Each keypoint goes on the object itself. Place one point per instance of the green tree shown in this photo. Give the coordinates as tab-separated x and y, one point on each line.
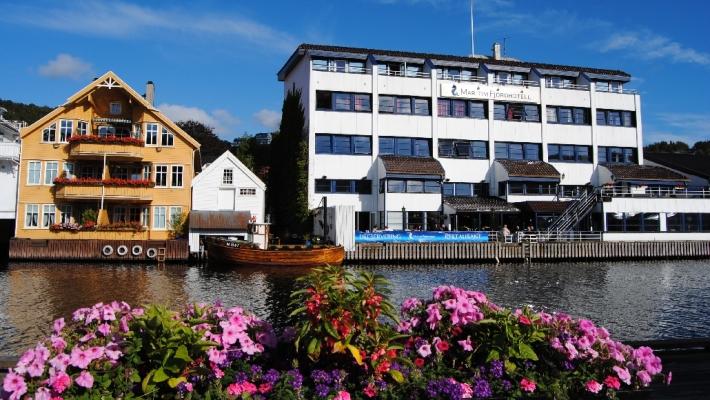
702	148
288	173
245	151
29	113
667	147
211	145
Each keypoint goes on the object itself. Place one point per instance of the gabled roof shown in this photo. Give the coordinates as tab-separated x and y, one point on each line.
691	164
222	220
479	204
529	169
110	79
412	165
229	158
306	47
642	173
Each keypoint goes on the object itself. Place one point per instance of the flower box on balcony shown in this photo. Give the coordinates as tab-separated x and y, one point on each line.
105	182
107	140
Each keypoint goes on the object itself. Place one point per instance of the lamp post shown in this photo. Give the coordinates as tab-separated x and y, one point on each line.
404	218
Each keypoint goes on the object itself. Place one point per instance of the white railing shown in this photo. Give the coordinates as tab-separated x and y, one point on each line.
657	192
566	86
463	78
542	236
516	82
615	90
406	74
10	151
346	69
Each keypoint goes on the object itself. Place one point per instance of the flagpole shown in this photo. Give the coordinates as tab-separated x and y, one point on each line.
473	43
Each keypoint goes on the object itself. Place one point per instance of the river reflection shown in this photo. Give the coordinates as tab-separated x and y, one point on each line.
635	300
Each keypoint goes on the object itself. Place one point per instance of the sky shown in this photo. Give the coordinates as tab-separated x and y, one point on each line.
216	61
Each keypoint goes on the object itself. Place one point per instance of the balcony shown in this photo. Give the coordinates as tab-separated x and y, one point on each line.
95	147
10	151
658	192
516	82
97	191
564	85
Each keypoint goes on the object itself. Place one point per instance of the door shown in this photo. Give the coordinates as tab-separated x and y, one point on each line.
225	199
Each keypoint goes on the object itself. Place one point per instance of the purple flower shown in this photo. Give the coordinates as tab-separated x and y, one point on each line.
271	376
320	376
496	369
482	389
506	385
296	379
322	390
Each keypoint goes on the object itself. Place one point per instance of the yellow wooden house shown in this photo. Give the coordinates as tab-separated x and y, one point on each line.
105	165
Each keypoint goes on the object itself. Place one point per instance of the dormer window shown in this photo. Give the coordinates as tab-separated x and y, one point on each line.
115	108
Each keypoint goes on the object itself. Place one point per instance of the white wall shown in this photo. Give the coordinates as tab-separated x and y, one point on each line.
462	128
654	205
341	82
413	201
510	131
616	136
568	134
404	125
399	85
459	170
351	123
654	236
575	173
566	97
8	183
614	101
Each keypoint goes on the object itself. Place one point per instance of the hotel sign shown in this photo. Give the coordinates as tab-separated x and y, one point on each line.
421	237
485	92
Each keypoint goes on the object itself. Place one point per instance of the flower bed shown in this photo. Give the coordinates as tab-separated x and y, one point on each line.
107	140
344	344
106	182
92	226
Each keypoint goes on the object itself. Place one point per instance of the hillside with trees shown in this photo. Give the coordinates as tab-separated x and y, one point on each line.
700	148
29	113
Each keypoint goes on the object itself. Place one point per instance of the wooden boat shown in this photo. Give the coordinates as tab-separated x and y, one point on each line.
242	253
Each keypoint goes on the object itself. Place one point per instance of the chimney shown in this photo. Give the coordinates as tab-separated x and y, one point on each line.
150	92
496	51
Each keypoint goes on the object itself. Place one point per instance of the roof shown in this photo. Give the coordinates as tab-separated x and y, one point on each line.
529	169
479	204
692	164
642	173
221	220
301	50
116	82
8	130
228	158
545	207
412	165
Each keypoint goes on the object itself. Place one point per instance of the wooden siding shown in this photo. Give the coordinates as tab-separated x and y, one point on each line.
424	252
90	249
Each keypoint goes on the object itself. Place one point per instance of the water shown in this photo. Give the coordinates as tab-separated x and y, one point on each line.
634	300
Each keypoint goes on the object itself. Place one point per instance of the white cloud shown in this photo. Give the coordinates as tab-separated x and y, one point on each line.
223	122
268	118
647	45
120	19
66	66
697	122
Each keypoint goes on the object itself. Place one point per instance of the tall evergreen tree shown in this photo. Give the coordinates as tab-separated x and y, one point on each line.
288	175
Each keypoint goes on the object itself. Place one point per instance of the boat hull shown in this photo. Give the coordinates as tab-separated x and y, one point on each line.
243	255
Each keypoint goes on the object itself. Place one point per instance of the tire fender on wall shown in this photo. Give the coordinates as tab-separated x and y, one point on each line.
137	250
107	250
151	252
122	250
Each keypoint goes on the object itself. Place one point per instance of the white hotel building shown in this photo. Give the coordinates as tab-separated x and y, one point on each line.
431	141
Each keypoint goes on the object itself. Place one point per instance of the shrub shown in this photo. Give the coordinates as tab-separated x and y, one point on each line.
346	343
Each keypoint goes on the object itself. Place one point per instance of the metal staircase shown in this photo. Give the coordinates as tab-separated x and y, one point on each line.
580	208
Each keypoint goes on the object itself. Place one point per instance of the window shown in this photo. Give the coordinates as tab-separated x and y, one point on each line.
340	101
415	186
48	215
175	214
134	214
458	108
386	104
581	116
159	220
106	130
421	107
404	146
516	112
463	149
404	105
633	222
395	186
65	130
65	214
530	188
463	189
68	170
319	65
361	186
565	115
448	189
323	186
146	172
32	216
168	137
443	107
247	191
343	144
82	128
161	176
619	155
517	151
115	108
176	176
151	134
34	170
569	153
477	109
50	172
432	187
119	214
49	134
227	176
559	82
145	216
616	118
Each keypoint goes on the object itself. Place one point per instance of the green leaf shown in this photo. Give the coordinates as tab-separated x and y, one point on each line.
173	382
312	346
145	385
493	355
510	367
160	375
526	352
355	352
487	321
331	330
396	375
181	354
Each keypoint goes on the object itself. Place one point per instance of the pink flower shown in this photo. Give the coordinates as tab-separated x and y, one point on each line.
216	356
95	352
424	350
249	387
58	343
218	373
265	388
123	323
466	391
113	354
342	395
109	314
43	394
59	325
527	385
524	320
104	329
41	353
36	368
60	362
79	358
235	389
87	337
593	386
85	380
433	315
188	386
15	384
644	377
466	344
60	382
370	390
623	374
612	382
230	335
669	377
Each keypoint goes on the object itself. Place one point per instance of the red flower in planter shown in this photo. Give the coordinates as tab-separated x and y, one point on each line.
107	140
105	182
